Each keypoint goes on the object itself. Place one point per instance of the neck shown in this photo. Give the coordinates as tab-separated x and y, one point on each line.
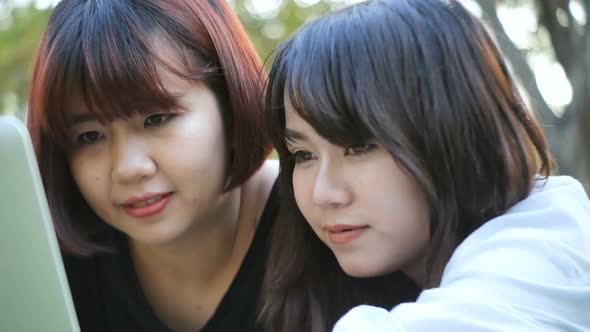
428	274
201	254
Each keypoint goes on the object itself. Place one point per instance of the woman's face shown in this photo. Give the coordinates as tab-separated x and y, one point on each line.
358	201
153	177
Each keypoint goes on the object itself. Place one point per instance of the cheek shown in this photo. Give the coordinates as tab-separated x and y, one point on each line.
78	171
396	199
412	215
302	184
203	133
88	178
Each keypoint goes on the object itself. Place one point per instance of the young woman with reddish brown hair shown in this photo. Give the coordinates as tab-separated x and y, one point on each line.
146	117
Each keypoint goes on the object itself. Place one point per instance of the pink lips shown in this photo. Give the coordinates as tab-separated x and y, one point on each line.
146	205
343	234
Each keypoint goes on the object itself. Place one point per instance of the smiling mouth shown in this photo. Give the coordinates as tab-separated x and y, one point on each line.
146	202
148	207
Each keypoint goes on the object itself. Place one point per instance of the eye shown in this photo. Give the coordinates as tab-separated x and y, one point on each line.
359	149
157	120
89	137
301	156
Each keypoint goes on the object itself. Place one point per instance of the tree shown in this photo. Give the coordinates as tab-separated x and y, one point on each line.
20	31
569	38
268	28
21	28
568	42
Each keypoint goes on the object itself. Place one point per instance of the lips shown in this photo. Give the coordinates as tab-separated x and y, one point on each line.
146	205
343	234
146	202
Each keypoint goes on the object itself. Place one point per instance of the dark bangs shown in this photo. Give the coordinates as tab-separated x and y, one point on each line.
108	55
348	87
317	76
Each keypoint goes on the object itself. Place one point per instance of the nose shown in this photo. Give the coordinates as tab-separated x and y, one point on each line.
131	160
331	189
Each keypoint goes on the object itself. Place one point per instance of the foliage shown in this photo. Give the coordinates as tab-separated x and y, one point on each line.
20	31
569	39
560	32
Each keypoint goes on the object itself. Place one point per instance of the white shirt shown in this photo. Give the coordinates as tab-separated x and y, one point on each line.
526	270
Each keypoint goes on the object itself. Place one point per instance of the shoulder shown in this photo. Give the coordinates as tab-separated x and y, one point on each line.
561	194
261	183
531	262
543	232
258	190
267	175
85	285
421	317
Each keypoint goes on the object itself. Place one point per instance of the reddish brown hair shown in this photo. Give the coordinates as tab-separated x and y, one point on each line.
107	52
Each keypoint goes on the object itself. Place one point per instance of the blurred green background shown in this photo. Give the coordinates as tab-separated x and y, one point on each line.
546	42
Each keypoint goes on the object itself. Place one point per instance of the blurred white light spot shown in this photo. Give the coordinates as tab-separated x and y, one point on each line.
473	7
519	23
578	11
10	104
44	4
306	3
274	30
39	4
552	81
265	9
562	17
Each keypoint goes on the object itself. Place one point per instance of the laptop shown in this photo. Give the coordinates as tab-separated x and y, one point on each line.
34	291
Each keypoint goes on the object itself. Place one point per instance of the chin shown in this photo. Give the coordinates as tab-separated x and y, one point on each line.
365	270
156	237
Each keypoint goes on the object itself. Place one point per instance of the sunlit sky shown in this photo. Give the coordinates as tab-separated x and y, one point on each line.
518	22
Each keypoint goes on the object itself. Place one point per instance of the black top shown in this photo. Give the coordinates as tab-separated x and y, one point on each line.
108	297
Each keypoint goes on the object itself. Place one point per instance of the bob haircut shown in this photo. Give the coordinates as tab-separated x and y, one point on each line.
424	79
108	53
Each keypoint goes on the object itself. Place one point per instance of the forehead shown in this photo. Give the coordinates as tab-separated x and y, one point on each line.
294	122
167	82
77	111
307	125
94	74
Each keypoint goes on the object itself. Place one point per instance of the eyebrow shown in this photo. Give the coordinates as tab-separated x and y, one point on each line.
80	118
293	135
